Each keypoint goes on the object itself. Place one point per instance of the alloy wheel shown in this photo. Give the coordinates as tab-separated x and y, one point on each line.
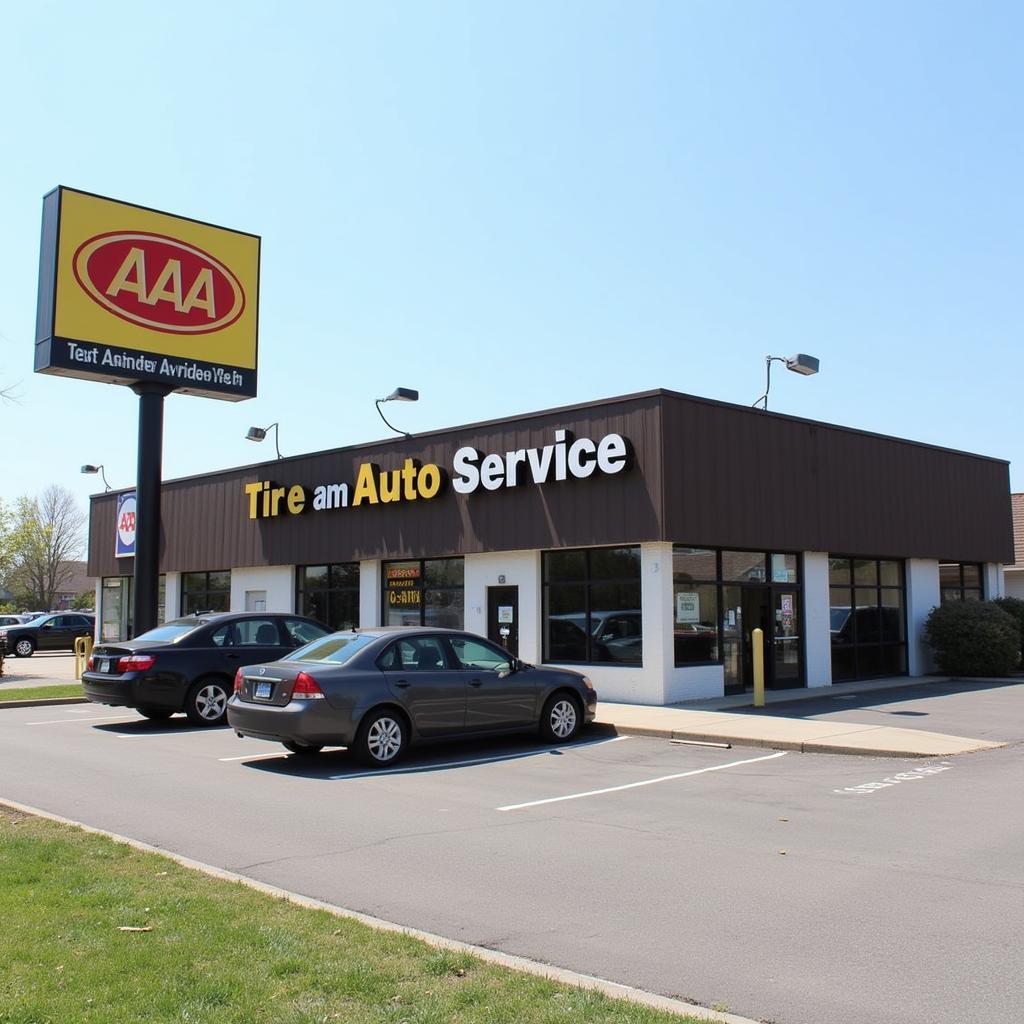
384	739
563	718
211	701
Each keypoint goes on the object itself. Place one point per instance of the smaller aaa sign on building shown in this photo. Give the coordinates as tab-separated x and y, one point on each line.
128	294
124	534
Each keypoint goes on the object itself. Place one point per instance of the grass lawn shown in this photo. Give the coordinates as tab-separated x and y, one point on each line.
40	692
213	951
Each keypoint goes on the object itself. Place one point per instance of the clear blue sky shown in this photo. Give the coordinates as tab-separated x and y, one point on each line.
521	205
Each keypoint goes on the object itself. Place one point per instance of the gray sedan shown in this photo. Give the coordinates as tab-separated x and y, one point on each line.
378	690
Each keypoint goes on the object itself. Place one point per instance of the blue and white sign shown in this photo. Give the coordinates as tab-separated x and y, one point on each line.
124	541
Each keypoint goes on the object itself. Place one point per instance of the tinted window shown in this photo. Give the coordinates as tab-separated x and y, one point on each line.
256	633
170	631
418	653
475	654
301	632
335	648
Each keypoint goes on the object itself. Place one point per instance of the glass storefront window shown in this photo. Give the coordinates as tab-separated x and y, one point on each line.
329	593
592	607
116	607
867	618
743	566
960	581
205	592
424	592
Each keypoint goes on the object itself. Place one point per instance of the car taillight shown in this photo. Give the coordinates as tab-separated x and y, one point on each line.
88	664
306	688
136	663
239	679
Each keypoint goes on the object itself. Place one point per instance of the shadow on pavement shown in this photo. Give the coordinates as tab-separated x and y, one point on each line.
875	701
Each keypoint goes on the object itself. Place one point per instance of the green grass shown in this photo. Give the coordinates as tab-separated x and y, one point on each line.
221	952
41	692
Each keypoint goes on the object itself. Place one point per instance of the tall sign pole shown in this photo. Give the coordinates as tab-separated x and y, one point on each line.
146	583
154	301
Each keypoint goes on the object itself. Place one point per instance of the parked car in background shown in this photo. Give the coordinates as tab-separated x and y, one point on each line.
49	632
378	690
188	664
10	620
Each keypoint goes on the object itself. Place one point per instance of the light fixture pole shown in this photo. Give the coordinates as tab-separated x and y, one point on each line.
398	395
259	433
800	363
97	469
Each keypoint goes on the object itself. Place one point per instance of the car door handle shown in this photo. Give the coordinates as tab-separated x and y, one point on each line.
476	682
402	684
233	657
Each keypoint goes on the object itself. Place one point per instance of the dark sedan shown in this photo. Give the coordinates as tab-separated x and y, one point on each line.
378	690
188	664
47	632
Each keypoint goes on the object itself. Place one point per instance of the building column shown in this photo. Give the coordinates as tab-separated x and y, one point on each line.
922	596
369	593
992	583
817	620
658	623
172	595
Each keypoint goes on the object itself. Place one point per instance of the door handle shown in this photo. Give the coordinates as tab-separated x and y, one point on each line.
402	684
476	682
233	657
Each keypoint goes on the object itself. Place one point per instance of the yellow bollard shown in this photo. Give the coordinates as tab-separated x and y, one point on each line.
83	651
757	641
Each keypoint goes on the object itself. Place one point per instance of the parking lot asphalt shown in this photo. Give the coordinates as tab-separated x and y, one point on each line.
790	887
811	724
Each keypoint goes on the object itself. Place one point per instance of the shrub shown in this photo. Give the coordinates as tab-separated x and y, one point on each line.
1015	607
973	638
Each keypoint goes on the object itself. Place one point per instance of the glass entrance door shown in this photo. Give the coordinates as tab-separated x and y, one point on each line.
784	660
773	610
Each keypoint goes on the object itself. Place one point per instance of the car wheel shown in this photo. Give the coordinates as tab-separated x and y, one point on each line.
305	749
561	718
382	738
207	702
24	648
156	714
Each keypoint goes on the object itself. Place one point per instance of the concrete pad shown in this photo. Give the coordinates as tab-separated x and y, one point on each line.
778	733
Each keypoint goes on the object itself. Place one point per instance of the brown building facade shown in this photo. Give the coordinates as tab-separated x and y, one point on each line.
643	537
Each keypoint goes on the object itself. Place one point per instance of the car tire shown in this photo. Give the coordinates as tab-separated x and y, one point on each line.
24	648
561	719
382	738
303	749
155	714
207	701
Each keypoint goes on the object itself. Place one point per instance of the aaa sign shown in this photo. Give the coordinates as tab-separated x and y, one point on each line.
128	294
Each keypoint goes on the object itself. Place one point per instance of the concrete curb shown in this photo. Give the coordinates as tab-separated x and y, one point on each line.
612	989
41	702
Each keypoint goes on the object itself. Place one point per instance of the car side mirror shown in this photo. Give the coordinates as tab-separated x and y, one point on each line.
47	625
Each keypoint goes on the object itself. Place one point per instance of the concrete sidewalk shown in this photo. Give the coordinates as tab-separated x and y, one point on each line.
776	732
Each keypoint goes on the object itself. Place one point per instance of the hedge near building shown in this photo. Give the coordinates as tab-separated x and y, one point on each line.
973	638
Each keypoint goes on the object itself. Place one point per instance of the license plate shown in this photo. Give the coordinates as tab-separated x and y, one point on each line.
263	691
109	665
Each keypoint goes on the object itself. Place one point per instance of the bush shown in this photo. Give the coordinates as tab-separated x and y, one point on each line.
973	638
1015	607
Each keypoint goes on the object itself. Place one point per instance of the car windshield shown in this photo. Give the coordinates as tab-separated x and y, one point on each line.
335	649
169	631
38	620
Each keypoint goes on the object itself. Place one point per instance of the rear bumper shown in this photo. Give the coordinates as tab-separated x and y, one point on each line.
300	721
131	691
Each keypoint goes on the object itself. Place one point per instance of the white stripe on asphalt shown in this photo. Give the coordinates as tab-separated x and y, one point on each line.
256	757
75	721
634	785
497	758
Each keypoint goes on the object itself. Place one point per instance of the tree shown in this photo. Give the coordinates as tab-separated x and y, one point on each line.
45	536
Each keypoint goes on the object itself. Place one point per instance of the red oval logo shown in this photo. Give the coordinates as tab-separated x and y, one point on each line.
158	282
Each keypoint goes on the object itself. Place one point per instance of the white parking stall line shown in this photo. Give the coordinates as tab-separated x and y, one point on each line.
494	759
75	721
645	782
255	757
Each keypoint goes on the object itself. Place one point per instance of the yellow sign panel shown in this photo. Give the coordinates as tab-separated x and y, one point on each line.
129	294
